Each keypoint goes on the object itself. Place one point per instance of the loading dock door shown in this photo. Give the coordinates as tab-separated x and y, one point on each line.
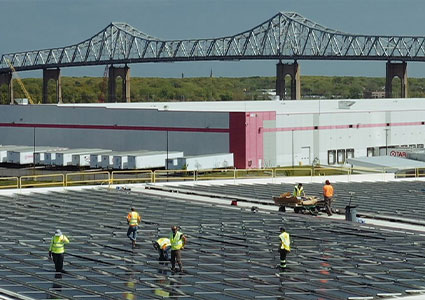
305	156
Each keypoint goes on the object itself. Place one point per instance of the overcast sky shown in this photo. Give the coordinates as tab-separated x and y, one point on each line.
38	24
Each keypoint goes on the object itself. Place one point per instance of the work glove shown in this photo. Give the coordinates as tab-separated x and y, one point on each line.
50	254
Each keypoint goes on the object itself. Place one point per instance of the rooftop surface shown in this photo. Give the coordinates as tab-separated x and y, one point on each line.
307	106
231	251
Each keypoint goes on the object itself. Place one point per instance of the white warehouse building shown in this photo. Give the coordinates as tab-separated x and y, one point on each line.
258	133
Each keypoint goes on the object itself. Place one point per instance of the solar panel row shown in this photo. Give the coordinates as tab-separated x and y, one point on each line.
399	200
231	252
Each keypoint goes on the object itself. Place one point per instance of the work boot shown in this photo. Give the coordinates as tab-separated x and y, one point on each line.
133	244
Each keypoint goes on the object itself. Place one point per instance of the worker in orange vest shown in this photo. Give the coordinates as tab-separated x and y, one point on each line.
328	193
133	220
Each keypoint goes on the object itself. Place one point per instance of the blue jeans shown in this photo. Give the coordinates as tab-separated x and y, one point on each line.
132	232
164	254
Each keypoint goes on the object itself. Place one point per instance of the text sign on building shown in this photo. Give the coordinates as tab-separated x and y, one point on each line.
398	153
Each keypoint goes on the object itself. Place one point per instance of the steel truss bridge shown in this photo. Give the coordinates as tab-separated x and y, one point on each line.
285	36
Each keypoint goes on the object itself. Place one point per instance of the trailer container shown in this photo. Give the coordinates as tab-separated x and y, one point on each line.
201	162
119	160
96	159
40	157
152	159
64	158
24	156
5	148
83	159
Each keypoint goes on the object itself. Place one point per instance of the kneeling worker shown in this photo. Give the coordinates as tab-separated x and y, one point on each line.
285	247
163	246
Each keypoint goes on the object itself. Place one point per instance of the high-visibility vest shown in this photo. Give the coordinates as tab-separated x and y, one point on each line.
297	191
163	243
133	218
57	245
328	190
285	242
176	241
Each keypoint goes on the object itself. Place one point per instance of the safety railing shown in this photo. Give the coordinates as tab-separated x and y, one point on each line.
48	180
413	173
81	178
254	173
131	176
173	175
216	174
330	171
293	171
9	182
148	176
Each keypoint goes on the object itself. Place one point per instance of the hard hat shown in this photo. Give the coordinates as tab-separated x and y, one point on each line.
58	232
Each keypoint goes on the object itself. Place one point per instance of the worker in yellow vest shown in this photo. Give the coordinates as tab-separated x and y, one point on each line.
284	247
298	191
57	249
133	220
178	241
163	246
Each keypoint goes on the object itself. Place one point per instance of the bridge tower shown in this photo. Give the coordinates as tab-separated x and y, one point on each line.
393	70
292	70
6	78
52	74
124	73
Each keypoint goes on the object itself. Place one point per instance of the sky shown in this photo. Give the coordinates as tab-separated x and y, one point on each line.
40	24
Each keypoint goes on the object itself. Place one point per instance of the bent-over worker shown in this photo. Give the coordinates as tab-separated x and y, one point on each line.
163	245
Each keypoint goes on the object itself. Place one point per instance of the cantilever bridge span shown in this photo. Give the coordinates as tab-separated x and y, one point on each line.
285	36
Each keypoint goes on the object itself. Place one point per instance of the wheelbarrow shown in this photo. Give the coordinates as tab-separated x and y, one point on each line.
309	204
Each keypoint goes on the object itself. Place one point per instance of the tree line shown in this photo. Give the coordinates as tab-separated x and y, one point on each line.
94	89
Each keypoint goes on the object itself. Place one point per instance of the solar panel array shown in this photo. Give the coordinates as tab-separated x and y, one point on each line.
231	252
404	200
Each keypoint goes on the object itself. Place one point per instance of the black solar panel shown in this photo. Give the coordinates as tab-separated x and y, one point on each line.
231	252
404	200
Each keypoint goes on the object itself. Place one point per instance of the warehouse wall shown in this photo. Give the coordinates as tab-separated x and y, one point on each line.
117	129
259	133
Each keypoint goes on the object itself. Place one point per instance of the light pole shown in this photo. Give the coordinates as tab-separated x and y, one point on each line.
386	140
33	154
292	146
166	164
